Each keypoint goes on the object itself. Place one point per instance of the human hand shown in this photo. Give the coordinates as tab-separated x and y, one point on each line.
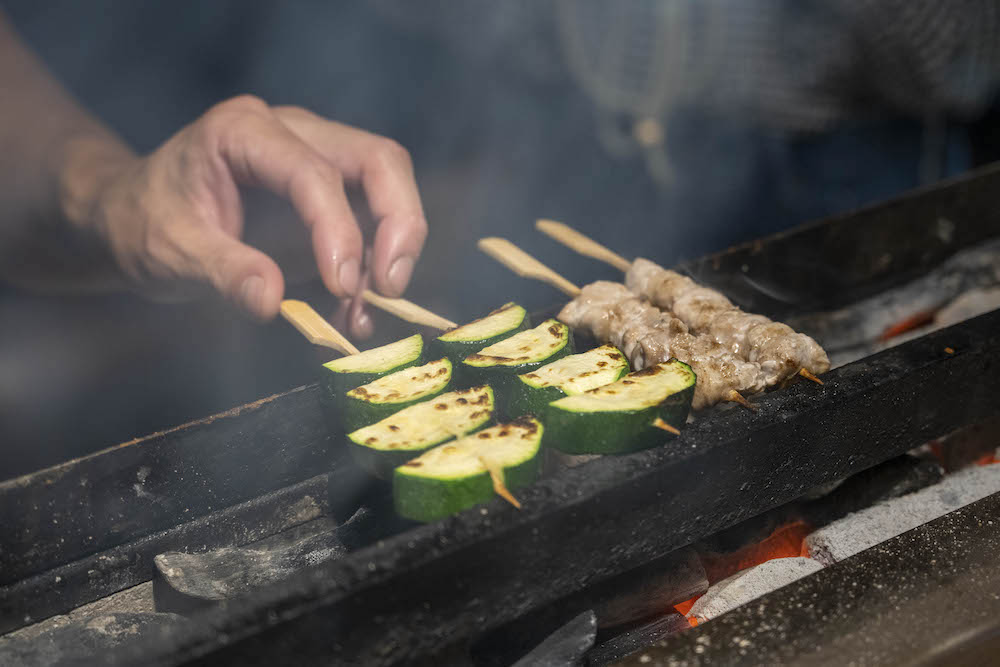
173	219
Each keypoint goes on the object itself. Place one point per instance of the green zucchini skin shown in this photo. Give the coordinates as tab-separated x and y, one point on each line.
381	462
504	379
524	399
457	350
619	432
426	499
358	413
335	385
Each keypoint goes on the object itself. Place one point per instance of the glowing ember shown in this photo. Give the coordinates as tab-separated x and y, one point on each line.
786	541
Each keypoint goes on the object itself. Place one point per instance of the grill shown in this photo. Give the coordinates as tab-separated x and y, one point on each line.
403	593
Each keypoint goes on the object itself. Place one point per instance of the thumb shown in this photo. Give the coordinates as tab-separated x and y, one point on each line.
240	273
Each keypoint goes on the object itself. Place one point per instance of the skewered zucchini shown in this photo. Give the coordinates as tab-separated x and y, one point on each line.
382	446
500	364
457	475
618	418
391	393
346	373
460	342
568	376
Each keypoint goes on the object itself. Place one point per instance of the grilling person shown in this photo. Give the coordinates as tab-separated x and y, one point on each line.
81	210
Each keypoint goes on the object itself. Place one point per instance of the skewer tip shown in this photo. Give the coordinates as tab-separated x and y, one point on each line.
664	426
809	376
737	397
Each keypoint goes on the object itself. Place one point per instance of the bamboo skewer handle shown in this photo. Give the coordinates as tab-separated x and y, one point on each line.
582	244
316	330
524	264
407	310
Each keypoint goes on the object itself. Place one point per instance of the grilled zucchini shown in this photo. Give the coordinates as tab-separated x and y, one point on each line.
342	375
499	364
382	446
618	418
391	393
454	476
568	376
469	338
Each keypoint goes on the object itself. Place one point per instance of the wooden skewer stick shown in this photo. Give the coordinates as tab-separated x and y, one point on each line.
662	425
524	264
809	376
408	311
737	397
496	474
582	244
317	330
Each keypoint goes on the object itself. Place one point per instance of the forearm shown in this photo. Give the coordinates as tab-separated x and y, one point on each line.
54	158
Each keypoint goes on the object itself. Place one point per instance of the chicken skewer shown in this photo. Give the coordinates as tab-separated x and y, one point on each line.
780	350
649	336
645	334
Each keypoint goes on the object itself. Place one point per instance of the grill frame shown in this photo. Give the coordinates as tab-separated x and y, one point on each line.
372	606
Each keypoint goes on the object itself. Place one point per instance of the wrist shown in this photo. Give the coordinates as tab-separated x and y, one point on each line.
85	166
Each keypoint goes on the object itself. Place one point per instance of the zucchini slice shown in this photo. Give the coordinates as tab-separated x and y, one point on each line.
469	338
391	393
382	446
499	364
568	376
342	375
618	418
455	476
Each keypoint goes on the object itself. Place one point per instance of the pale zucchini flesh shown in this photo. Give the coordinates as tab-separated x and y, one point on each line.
579	373
456	475
385	444
407	385
527	347
506	318
621	417
391	393
379	359
636	391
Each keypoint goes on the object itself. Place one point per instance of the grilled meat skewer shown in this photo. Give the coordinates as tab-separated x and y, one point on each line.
649	336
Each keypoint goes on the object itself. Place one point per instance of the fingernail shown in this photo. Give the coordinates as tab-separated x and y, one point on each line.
399	274
349	275
251	293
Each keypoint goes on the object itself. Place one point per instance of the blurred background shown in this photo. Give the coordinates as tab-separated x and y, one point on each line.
666	129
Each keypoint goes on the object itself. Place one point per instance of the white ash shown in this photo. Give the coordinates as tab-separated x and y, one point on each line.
750	584
878	523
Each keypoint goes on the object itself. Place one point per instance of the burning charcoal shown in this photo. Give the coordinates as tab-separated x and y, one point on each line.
638	594
892	479
967	444
566	646
636	638
641	597
750	584
878	523
184	582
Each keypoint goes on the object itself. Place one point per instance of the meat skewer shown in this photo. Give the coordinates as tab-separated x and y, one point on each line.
780	350
649	336
644	333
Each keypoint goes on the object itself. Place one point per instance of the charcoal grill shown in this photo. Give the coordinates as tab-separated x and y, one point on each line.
82	530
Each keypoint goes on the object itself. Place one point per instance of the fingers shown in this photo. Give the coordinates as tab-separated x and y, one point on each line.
384	169
259	150
242	274
358	316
